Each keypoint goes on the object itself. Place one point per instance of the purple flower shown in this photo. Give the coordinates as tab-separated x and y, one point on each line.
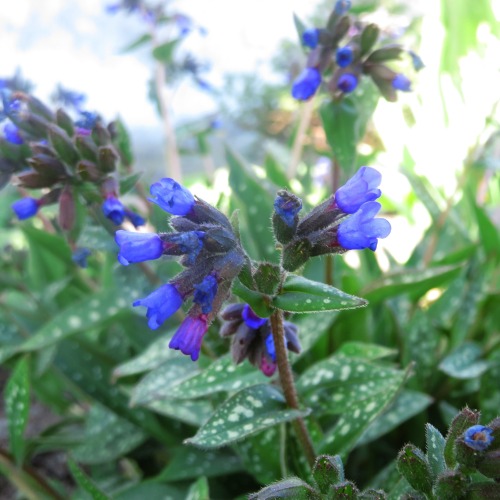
478	437
306	84
310	38
114	210
161	304
172	197
79	257
362	230
189	336
287	207
251	319
347	82
25	208
401	82
204	293
138	247
341	7
344	56
359	189
11	133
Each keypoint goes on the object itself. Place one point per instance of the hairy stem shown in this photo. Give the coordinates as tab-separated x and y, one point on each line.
288	384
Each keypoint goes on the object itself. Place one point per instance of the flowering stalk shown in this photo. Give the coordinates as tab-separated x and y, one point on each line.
288	385
298	144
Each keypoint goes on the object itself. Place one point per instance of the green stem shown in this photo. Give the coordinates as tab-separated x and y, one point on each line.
288	384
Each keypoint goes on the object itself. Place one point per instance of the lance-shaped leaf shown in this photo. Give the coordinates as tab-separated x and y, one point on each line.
464	362
434	442
165	51
85	482
17	405
413	465
293	487
222	375
199	490
247	412
327	471
302	295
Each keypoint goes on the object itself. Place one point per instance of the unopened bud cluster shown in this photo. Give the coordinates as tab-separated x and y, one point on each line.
345	50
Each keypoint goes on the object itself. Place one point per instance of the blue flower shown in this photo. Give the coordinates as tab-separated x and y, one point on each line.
11	133
287	208
271	349
188	243
344	56
114	210
359	189
310	38
79	257
189	336
251	319
172	197
138	247
341	7
25	208
478	437
86	123
68	97
306	84
362	230
205	292
401	82
347	82
161	304
134	218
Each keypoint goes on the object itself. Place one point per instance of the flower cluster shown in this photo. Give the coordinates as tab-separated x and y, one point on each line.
211	253
252	337
64	154
346	221
349	62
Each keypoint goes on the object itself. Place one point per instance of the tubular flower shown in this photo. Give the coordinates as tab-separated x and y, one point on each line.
25	208
310	38
359	189
252	337
401	82
210	251
138	247
344	56
172	197
113	209
306	84
347	82
478	437
362	230
161	304
12	135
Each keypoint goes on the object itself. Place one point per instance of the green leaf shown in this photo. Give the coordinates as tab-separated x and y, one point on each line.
435	450
299	26
156	385
128	183
464	362
489	393
107	437
139	42
190	463
327	471
247	412
221	375
199	490
413	465
155	355
17	407
311	328
86	314
364	350
190	412
409	280
165	51
275	172
292	487
368	38
255	198
256	300
353	388
345	124
97	238
302	295
259	454
406	405
85	482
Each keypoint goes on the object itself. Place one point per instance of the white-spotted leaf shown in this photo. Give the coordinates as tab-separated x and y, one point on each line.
302	295
435	449
249	411
85	482
464	362
222	375
364	350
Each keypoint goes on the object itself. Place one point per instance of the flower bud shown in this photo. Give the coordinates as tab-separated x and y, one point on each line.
66	209
310	38
285	216
344	56
328	470
347	82
63	145
413	465
306	84
25	208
